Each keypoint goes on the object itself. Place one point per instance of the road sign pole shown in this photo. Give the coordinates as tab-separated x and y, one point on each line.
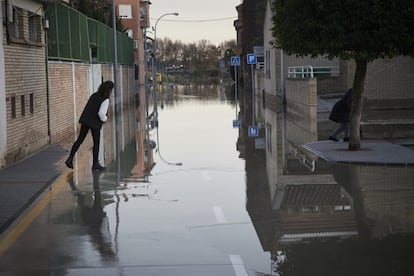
236	87
235	61
252	60
253	95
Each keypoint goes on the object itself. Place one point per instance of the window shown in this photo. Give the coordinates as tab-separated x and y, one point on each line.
125	11
267	64
13	107
35	25
31	99
16	27
269	137
23	105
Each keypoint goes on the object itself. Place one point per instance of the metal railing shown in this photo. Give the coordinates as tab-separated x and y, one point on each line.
313	71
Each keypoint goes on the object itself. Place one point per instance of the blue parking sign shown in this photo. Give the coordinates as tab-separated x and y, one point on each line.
253	131
236	123
251	59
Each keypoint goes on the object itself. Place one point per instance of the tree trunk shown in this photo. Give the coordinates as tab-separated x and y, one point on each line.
356	108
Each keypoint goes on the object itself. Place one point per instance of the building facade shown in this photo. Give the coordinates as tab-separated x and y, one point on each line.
134	16
41	98
23	93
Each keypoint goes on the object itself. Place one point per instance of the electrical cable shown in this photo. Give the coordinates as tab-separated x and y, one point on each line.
200	20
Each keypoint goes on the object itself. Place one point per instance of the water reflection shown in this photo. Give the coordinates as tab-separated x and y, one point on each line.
383	198
337	219
171	95
94	218
359	222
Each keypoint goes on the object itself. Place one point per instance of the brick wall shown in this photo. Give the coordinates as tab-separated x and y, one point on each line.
25	74
390	79
301	111
64	112
26	94
70	95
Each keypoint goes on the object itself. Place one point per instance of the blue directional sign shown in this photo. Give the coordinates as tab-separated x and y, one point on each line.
253	131
251	59
236	123
222	63
235	61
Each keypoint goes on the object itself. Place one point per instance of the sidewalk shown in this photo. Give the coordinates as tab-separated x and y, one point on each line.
373	152
23	182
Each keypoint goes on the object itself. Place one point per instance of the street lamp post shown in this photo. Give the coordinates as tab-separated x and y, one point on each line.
154	69
154	88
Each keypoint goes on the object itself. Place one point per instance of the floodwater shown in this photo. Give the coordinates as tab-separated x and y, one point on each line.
208	208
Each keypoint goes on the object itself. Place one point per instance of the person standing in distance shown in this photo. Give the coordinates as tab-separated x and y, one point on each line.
93	116
340	114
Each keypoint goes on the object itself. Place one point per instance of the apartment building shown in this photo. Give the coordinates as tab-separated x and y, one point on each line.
43	90
23	86
134	16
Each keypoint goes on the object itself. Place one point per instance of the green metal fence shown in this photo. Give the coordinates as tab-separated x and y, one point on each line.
75	37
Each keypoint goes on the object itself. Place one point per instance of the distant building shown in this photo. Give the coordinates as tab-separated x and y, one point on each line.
134	16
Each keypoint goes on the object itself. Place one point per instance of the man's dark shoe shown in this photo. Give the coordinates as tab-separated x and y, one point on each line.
333	138
346	139
98	168
69	163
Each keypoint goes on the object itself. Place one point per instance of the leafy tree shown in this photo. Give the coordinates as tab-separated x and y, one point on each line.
349	29
201	58
229	48
100	11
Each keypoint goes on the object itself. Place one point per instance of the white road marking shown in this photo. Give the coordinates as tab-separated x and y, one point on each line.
218	212
238	265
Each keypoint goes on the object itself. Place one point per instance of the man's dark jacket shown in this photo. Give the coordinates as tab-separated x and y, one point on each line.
342	109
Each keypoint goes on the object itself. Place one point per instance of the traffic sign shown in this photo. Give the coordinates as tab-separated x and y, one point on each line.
222	63
253	131
235	61
236	123
251	59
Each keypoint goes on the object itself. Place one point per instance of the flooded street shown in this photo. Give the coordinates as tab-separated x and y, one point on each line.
187	219
208	208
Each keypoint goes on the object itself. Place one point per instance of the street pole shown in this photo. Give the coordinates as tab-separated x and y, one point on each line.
236	96
147	123
154	62
253	95
116	94
154	88
283	92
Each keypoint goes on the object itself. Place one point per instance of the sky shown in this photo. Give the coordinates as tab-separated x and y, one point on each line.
211	20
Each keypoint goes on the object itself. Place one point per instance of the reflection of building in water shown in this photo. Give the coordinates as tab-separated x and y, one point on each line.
314	211
308	200
360	214
305	207
384	197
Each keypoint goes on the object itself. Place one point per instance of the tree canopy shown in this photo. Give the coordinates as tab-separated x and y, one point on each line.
200	58
348	29
356	29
